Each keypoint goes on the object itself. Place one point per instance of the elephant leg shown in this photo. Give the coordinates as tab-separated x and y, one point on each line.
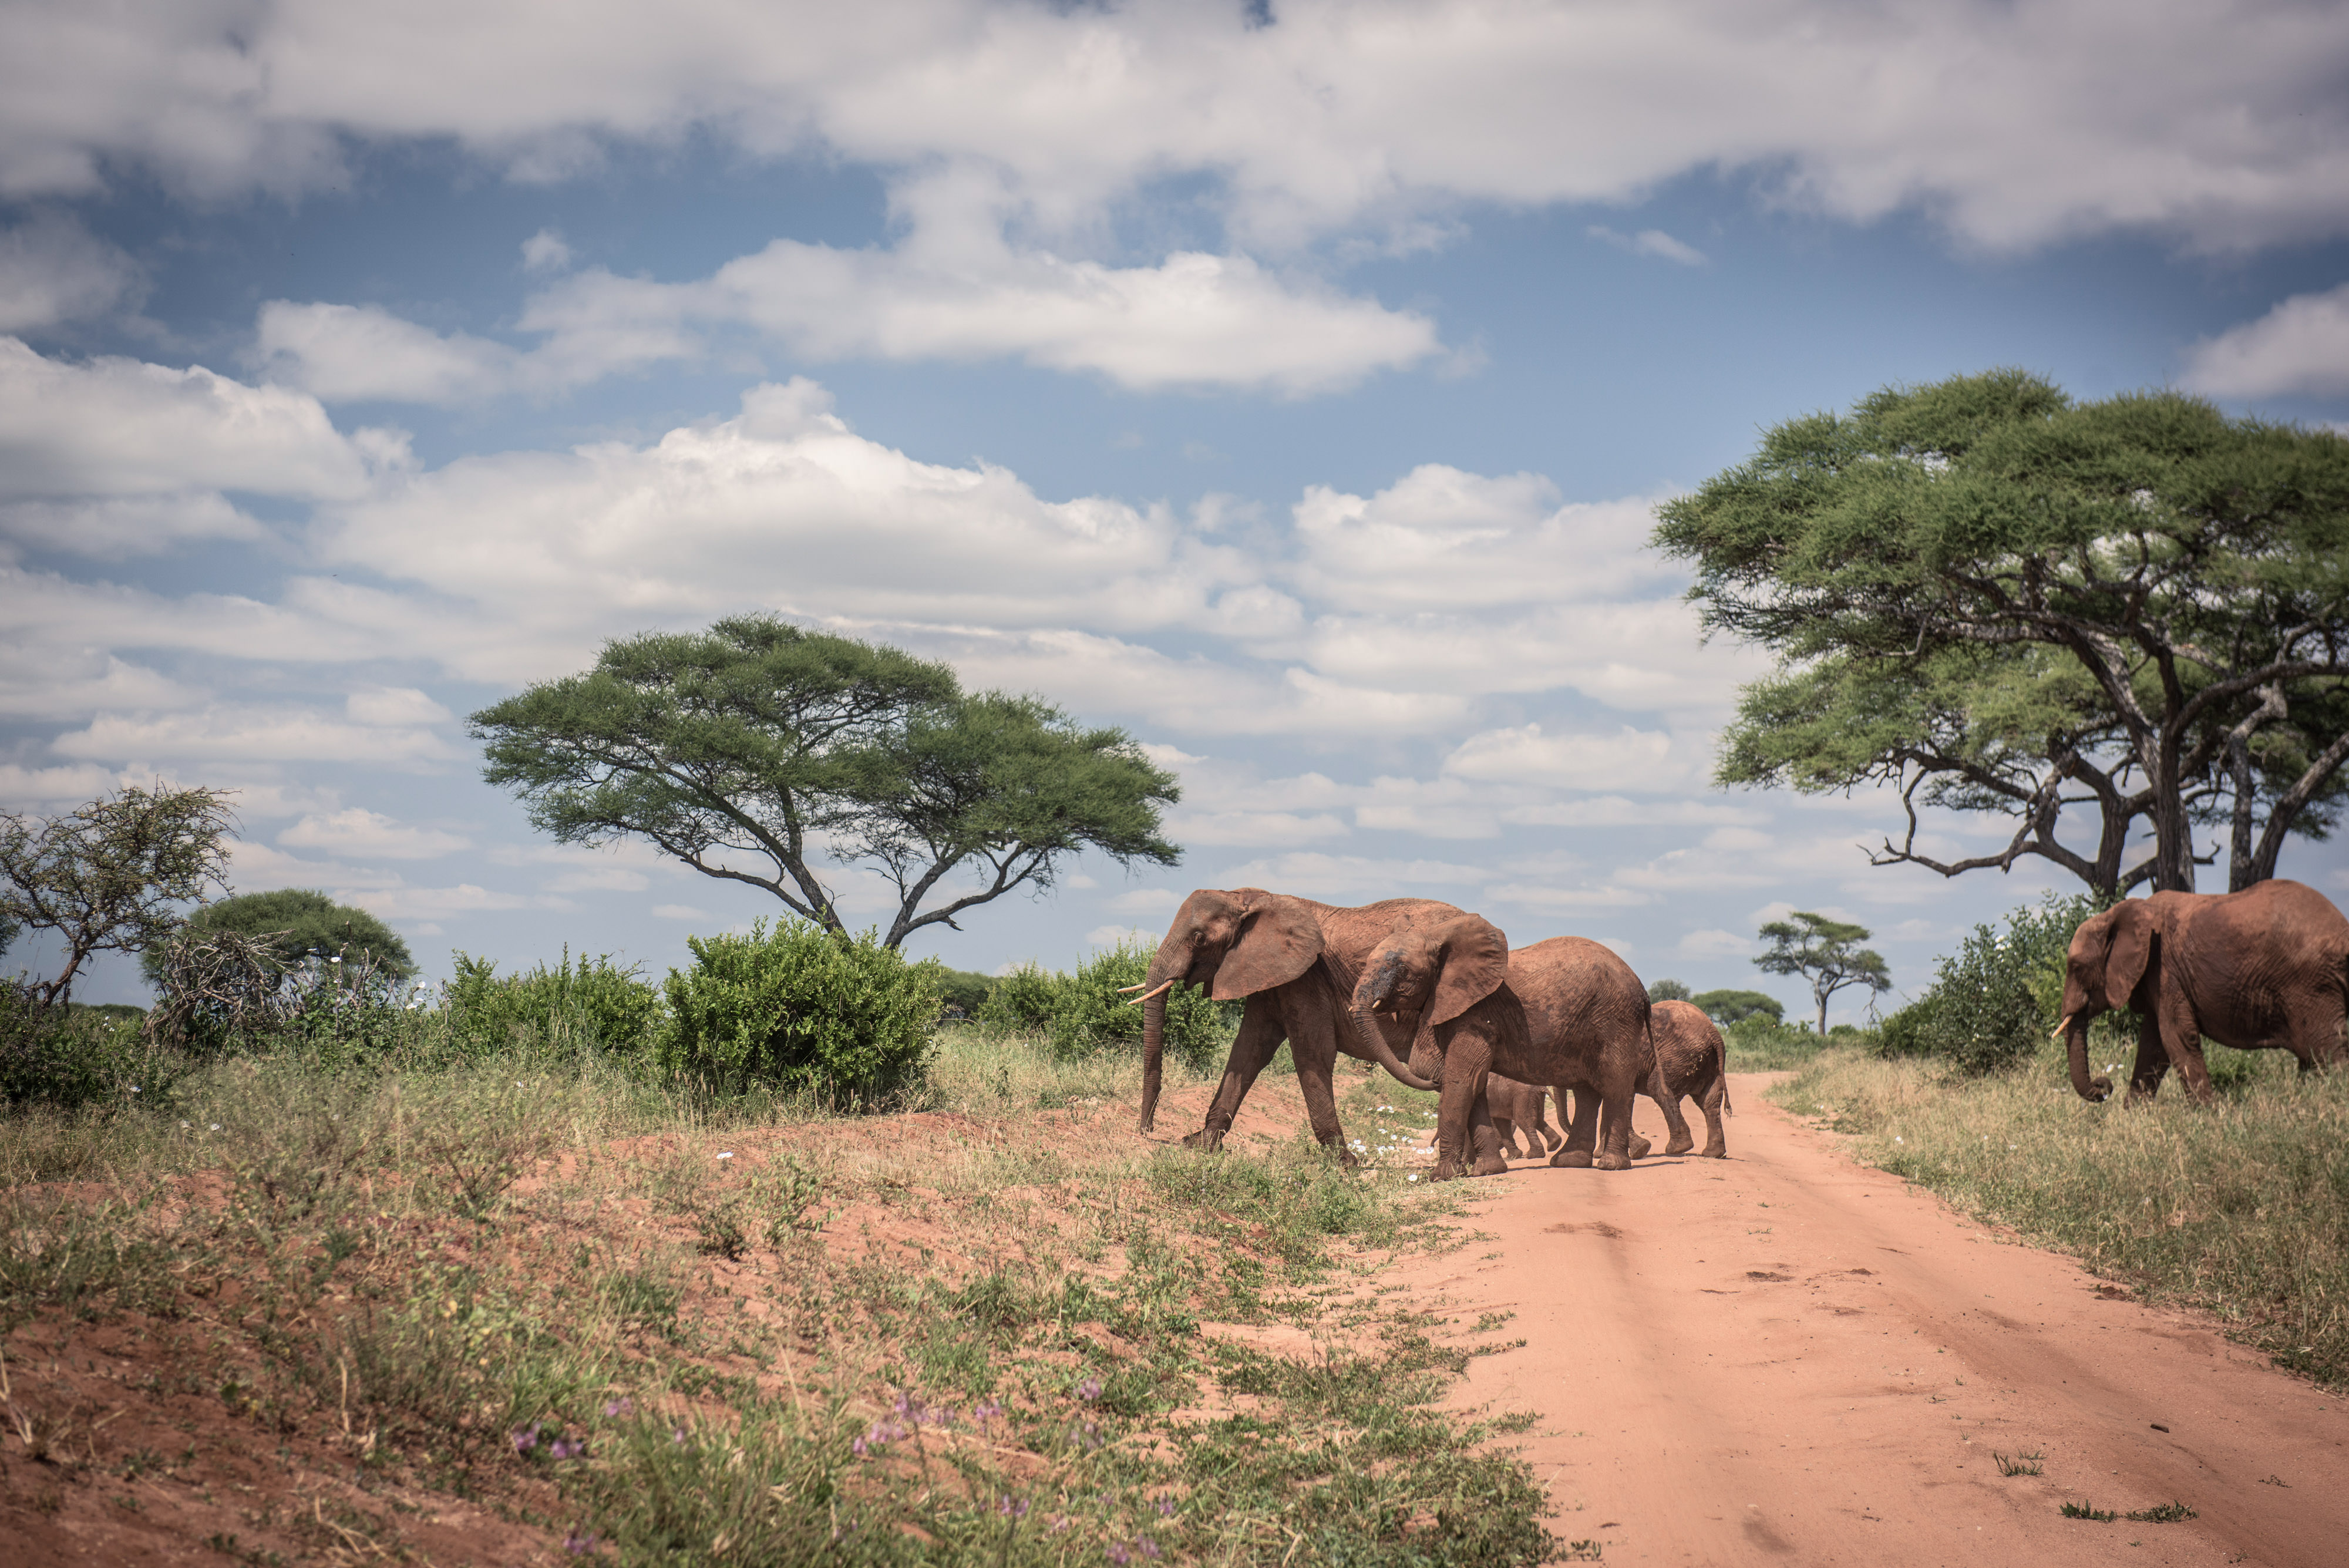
2182	1033
1581	1115
1616	1139
1716	1141
1484	1139
1260	1035
1657	1090
1313	1041
1541	1137
1465	1141
1506	1129
2152	1060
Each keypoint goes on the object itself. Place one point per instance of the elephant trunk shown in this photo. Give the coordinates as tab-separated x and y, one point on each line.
1154	1056
1374	1043
2076	1047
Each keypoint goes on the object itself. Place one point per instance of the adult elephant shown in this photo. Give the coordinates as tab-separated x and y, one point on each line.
1567	1013
2264	968
1691	1063
1295	961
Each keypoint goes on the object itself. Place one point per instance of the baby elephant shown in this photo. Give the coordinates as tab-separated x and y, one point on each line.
1693	1060
1518	1107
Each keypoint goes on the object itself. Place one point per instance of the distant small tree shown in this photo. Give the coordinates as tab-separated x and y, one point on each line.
1667	991
105	877
297	924
1728	1007
1826	953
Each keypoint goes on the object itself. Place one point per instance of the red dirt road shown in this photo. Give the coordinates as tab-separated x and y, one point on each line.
1789	1358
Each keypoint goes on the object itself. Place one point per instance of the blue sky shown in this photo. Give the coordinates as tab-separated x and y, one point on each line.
1289	385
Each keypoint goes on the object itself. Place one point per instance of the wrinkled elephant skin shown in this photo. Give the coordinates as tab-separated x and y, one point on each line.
2264	969
1295	961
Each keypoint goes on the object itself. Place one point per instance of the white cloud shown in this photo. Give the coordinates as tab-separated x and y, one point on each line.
1649	243
679	912
2301	346
343	352
394	705
62	683
122	427
2219	124
609	879
52	270
258	867
404	903
238	732
21	786
1350	878
1253	828
1121	936
357	832
1643	762
1713	944
115	526
545	251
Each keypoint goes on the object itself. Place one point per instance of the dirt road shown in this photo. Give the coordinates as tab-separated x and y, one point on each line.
1788	1357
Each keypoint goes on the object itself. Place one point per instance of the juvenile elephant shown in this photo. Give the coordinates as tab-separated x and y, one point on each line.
1295	961
2263	967
1566	1012
1518	1108
1691	1060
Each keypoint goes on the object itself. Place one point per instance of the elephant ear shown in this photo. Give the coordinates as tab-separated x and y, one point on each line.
1279	938
2132	950
1475	963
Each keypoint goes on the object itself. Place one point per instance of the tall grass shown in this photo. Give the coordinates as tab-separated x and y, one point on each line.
2241	1206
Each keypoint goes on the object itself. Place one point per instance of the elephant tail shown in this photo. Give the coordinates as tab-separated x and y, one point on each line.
1721	1070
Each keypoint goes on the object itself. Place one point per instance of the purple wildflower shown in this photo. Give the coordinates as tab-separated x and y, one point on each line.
1118	1554
525	1438
1089	1390
1059	1522
856	1446
1012	1508
567	1448
579	1542
1149	1547
678	1436
1165	1505
620	1407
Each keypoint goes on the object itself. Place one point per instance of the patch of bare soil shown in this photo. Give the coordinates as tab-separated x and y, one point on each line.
1791	1357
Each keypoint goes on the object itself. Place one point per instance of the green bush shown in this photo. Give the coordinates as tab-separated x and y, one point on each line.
72	1057
1994	1000
1088	1013
303	925
595	1002
803	1010
1728	1007
964	990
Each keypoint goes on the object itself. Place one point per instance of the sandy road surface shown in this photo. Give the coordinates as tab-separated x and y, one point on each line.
1788	1357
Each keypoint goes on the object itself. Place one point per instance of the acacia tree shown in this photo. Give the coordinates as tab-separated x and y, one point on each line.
2131	611
1825	952
752	750
105	876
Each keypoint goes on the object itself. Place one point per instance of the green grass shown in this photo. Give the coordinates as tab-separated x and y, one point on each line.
978	1337
2241	1206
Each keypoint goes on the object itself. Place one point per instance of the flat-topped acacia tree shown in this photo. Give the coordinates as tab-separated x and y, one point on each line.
2115	614
752	750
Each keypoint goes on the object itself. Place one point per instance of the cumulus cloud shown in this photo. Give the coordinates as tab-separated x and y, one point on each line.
2300	346
53	270
358	833
1642	761
2218	123
242	732
112	527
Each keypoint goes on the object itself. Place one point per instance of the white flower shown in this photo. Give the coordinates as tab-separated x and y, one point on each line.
1412	1178
216	1126
727	1155
337	958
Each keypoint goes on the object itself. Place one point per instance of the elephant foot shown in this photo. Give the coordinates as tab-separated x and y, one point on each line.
1206	1141
1680	1146
1571	1158
1639	1147
1346	1156
1713	1151
1446	1172
1612	1162
1493	1165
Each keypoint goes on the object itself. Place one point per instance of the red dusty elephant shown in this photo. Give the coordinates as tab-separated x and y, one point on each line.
2267	967
1518	1108
1567	1013
1295	961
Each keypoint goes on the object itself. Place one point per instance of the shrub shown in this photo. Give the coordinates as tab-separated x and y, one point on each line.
59	1055
803	1010
964	990
1667	990
1996	997
595	1002
1088	1013
299	924
1728	1007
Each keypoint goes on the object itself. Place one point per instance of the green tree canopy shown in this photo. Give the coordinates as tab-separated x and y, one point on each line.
1726	1007
1667	991
753	750
105	876
1826	953
2129	613
301	924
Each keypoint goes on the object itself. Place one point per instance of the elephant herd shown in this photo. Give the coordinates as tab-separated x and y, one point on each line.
1437	997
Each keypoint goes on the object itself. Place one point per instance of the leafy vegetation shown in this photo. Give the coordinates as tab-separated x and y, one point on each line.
1728	1007
593	1004
1994	1000
734	748
2127	613
803	1008
1825	952
297	924
1087	1012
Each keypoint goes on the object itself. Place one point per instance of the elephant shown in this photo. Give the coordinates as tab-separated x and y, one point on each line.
1295	961
2263	967
1567	1013
1692	1061
1518	1108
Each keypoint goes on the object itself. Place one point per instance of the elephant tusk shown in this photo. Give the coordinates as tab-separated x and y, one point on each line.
1138	1000
1137	985
2060	1028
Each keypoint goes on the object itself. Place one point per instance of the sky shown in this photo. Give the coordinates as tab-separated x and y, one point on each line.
1288	384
